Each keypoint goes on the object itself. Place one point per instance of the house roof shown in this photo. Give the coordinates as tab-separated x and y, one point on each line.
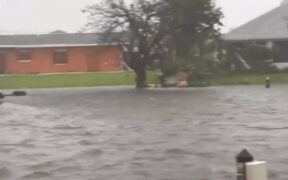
57	40
270	26
58	31
284	2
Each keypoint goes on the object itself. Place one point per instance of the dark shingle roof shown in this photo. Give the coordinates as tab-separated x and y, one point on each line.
56	40
270	26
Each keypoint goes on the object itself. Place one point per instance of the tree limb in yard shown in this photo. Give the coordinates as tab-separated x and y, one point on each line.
142	19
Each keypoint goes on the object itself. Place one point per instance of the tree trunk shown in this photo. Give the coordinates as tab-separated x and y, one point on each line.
140	70
141	77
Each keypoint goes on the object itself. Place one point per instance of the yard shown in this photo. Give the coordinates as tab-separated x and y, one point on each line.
119	79
70	80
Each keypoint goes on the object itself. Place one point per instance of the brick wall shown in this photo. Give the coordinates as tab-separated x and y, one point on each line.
80	59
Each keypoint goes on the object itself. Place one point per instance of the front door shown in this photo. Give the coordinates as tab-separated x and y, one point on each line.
2	62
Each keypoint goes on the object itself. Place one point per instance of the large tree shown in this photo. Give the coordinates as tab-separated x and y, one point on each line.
152	24
193	23
141	19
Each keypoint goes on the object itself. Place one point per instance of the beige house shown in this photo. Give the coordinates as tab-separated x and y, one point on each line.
270	29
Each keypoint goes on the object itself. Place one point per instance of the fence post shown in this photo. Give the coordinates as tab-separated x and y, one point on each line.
242	158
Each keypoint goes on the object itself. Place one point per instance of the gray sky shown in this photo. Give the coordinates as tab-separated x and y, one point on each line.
43	16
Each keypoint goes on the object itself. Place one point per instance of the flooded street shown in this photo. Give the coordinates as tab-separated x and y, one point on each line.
155	134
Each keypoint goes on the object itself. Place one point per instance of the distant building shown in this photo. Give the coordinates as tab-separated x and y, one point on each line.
269	29
58	32
58	52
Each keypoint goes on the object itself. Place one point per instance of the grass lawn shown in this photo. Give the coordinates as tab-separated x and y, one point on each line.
281	78
118	79
71	80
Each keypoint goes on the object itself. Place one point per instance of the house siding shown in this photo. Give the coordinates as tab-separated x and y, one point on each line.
79	59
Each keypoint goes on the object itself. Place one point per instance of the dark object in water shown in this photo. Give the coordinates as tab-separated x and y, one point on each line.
268	82
19	93
15	93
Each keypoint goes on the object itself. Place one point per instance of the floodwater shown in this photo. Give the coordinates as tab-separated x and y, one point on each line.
154	134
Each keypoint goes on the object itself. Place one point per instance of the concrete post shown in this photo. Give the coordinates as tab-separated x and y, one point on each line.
243	157
248	169
256	170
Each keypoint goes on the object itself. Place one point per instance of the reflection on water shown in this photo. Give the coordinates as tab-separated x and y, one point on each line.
106	133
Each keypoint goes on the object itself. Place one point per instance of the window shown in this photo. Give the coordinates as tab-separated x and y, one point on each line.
24	55
60	56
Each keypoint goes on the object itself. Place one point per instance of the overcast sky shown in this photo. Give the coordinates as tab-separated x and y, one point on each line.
43	16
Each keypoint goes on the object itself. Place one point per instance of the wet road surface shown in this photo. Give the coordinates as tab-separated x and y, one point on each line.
122	133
